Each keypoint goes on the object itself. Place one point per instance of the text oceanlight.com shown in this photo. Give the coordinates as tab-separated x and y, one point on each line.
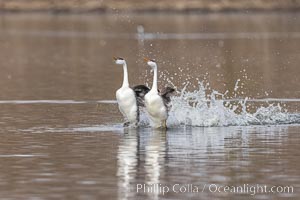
213	188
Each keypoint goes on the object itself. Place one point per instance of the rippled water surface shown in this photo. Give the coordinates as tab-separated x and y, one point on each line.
61	132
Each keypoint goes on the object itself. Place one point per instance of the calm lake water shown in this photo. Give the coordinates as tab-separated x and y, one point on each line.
61	131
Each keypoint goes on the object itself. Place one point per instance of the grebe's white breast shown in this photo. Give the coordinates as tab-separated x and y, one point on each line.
127	103
155	107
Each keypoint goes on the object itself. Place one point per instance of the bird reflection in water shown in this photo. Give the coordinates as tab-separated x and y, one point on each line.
140	154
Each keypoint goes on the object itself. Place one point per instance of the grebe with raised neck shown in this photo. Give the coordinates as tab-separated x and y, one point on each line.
157	103
129	99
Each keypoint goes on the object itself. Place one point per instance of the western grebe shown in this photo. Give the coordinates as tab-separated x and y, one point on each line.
157	104
129	98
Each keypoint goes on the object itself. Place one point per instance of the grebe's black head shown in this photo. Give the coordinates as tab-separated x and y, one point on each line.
119	60
150	62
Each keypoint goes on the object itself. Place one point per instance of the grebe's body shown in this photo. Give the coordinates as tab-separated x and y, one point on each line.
128	105
156	104
156	109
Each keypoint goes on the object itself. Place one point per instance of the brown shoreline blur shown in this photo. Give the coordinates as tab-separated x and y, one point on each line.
84	6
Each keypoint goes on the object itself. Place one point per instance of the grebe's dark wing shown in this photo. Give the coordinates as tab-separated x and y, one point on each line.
140	92
166	95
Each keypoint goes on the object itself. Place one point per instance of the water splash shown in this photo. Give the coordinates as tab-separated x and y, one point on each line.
204	108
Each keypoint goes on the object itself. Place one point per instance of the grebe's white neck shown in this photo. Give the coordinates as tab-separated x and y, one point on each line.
154	84
125	75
